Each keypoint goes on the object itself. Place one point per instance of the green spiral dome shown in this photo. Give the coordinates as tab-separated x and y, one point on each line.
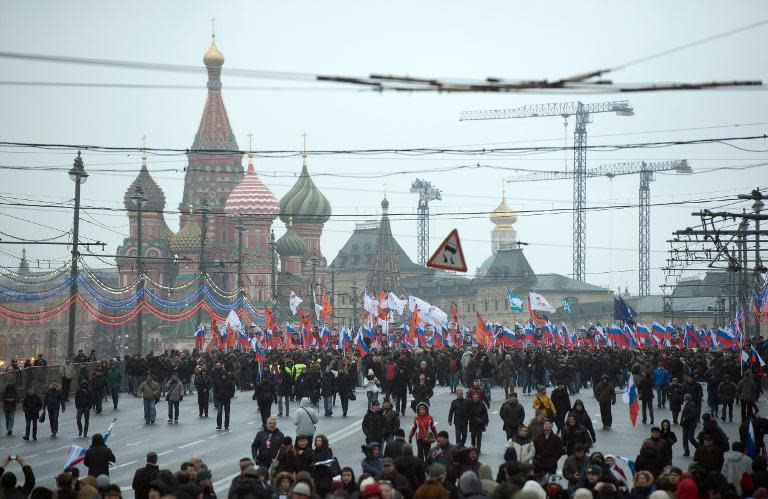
291	244
304	202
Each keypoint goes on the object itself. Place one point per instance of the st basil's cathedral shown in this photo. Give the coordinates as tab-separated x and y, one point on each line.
234	195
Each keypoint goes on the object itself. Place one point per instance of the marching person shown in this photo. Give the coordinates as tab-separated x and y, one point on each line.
150	394
98	456
173	395
83	404
264	393
67	373
606	397
267	443
10	401
542	402
223	391
478	420
114	381
52	402
203	386
458	415
424	429
32	405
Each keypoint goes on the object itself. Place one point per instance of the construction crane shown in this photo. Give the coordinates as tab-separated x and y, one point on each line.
426	194
646	172
582	113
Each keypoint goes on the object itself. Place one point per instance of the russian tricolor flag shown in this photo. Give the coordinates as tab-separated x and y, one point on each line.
750	446
257	351
630	397
76	453
200	337
346	342
362	347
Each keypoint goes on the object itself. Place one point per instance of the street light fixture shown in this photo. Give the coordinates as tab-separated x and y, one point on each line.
138	200
78	175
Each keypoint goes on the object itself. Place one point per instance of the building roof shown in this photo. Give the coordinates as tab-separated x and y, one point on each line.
508	265
357	252
291	244
558	282
154	197
251	198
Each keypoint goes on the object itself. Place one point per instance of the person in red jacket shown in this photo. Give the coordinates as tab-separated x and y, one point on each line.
424	429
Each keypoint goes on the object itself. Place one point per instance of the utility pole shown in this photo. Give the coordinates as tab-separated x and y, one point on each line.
240	228
138	200
354	305
313	260
78	175
333	286
273	258
203	209
757	207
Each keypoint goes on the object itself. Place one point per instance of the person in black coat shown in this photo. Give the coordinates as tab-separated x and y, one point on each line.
478	421
400	388
583	419
83	403
32	405
145	475
373	424
562	402
458	415
512	413
263	394
266	444
223	391
98	388
285	387
421	391
322	474
52	402
344	386
98	456
646	395
203	386
574	434
328	390
8	487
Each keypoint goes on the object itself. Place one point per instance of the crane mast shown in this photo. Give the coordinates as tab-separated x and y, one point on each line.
582	113
646	171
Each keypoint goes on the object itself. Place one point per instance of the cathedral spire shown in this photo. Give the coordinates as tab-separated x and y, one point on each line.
384	270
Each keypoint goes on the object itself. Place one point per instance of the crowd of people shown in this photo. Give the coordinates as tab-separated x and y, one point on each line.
552	444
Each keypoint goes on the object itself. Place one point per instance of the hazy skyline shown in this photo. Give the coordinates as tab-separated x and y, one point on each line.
427	39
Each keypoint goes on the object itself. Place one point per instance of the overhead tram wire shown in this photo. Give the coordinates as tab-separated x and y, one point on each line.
416	151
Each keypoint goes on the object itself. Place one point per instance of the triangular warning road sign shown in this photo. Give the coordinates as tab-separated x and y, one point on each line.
449	255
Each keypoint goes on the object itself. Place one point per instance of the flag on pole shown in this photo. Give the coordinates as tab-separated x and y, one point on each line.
515	302
630	398
294	302
750	446
76	454
362	347
200	337
539	303
481	332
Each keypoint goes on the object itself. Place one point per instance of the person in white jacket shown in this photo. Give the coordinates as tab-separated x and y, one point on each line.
735	464
523	446
305	419
371	386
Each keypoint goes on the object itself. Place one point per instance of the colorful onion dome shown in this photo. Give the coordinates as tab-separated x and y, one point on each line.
291	244
251	198
503	216
304	201
213	56
154	198
187	240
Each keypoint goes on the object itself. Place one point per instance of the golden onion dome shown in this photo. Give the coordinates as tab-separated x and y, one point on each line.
503	216
213	56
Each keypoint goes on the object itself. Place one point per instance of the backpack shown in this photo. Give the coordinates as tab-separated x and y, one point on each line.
390	370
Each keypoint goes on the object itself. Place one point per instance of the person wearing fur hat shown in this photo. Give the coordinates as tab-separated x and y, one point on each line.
424	428
372	461
433	488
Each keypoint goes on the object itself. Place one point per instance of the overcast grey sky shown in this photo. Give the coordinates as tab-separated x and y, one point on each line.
424	38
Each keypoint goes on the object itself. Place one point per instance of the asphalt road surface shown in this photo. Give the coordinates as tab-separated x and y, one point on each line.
221	450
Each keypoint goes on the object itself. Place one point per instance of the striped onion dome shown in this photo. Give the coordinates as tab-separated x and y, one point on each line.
304	202
251	197
291	244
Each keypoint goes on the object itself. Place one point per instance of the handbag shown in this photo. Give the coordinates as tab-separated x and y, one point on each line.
352	396
334	468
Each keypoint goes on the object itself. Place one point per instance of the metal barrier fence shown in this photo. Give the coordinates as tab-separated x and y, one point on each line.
40	377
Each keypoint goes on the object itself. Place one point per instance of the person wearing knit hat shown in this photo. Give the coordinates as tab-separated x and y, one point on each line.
471	486
205	481
372	491
687	489
689	418
301	490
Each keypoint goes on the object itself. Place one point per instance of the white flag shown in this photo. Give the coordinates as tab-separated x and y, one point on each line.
234	321
294	302
371	304
540	303
428	312
395	303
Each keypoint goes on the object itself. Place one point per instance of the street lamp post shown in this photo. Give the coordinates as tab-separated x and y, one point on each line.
757	207
273	258
78	175
240	228
354	305
138	200
203	209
